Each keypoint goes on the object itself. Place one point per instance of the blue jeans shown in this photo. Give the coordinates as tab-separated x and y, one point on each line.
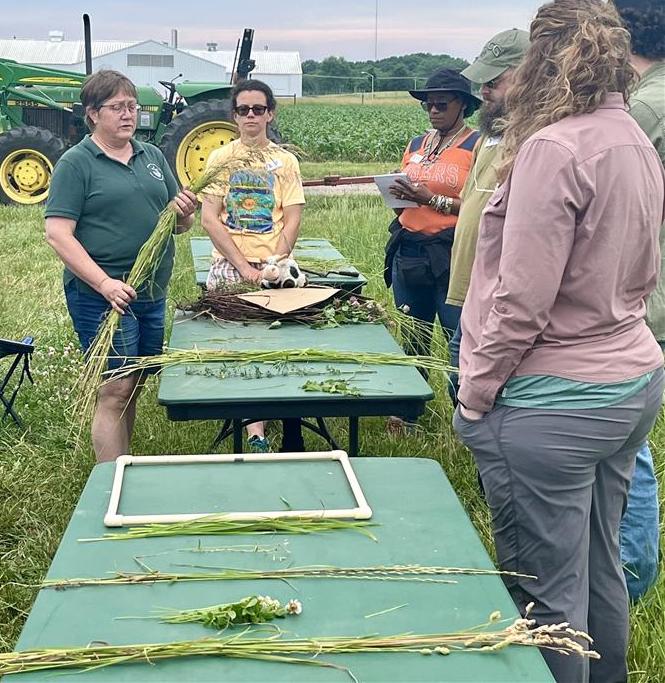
140	331
425	303
639	527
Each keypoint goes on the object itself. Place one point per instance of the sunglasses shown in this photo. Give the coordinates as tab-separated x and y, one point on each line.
256	109
494	83
440	106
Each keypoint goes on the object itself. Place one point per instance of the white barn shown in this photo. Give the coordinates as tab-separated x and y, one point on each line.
282	71
149	61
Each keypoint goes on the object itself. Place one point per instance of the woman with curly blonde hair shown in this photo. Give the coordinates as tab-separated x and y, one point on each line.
560	377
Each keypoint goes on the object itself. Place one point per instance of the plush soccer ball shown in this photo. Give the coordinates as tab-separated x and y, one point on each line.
282	273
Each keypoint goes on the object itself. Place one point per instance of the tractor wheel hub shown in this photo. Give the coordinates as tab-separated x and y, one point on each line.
30	174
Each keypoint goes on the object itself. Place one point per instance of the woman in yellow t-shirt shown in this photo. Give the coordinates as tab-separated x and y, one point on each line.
256	214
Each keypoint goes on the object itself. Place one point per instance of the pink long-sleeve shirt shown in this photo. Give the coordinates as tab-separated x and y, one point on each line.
567	253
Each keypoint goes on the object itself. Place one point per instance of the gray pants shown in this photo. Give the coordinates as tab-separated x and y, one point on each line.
556	482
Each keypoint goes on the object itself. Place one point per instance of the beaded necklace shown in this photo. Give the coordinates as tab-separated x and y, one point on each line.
431	152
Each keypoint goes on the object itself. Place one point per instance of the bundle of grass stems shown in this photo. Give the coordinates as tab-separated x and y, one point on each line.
406	572
486	638
174	357
147	262
216	525
322	267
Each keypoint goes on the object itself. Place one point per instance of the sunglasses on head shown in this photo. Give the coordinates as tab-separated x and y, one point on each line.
256	109
441	105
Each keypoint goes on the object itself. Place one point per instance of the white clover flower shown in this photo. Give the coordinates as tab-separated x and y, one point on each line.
294	607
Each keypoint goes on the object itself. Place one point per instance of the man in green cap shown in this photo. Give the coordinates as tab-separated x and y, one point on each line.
493	71
645	20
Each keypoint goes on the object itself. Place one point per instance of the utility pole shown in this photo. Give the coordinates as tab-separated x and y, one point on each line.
376	30
367	73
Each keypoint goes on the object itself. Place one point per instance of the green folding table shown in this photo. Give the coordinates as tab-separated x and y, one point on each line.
385	389
347	277
420	521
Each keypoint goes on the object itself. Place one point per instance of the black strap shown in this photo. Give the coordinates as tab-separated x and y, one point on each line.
415	144
470	142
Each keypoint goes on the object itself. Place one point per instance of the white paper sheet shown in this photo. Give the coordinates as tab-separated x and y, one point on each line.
384	183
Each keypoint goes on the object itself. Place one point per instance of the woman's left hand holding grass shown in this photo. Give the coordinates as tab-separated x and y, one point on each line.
184	204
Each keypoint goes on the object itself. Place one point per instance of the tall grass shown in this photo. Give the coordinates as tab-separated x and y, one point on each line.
41	476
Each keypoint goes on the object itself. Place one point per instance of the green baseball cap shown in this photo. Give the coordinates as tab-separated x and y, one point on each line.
504	50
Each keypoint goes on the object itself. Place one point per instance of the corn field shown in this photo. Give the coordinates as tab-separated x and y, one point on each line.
346	131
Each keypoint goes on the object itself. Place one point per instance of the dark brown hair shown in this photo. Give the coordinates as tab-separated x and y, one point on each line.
101	86
646	24
251	85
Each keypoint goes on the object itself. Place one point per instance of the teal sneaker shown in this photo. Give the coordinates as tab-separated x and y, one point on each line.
258	444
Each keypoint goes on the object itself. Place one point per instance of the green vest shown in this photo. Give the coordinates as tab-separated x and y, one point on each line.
116	207
478	188
647	107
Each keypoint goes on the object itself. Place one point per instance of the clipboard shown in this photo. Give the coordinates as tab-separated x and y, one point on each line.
384	183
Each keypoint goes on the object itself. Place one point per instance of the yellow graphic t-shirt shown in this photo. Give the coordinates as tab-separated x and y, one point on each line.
255	196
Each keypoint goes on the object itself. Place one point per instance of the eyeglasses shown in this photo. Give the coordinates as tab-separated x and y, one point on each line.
256	109
494	83
440	106
119	107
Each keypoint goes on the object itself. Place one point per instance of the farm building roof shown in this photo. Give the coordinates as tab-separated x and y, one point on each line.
267	62
56	52
73	52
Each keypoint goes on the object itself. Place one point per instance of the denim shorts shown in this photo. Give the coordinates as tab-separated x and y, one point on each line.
140	331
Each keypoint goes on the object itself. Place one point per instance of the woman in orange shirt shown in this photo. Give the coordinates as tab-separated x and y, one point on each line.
437	164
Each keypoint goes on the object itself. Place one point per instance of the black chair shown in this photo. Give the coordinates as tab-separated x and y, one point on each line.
22	351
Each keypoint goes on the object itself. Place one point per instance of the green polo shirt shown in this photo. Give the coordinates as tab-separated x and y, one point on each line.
116	207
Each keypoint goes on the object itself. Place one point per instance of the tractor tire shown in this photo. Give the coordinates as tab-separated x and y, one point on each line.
193	134
27	157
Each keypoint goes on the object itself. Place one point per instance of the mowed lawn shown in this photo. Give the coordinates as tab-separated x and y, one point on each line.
42	475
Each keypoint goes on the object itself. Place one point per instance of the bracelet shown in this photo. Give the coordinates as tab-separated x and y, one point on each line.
441	203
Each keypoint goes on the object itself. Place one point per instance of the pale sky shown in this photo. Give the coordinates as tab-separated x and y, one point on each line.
316	29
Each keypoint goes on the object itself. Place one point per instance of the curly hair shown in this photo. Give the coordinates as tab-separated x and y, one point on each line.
646	25
579	52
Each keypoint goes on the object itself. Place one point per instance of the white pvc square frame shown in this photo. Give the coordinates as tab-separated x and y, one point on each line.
114	519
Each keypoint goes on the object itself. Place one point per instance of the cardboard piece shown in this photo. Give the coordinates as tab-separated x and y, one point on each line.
287	300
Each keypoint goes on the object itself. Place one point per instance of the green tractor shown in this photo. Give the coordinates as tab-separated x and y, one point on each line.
41	116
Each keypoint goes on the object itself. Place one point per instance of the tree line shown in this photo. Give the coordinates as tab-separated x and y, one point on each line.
406	72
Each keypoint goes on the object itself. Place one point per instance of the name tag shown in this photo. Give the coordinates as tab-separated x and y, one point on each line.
273	165
493	141
416	158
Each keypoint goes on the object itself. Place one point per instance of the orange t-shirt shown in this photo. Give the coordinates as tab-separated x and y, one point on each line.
446	175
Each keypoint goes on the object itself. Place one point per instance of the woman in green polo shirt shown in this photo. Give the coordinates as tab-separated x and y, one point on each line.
105	198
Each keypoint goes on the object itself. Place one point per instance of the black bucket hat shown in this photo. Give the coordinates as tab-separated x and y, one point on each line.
449	80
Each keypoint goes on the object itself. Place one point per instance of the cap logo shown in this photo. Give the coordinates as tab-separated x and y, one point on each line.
495	49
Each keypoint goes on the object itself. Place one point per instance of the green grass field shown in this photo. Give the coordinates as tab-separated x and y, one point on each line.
41	475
